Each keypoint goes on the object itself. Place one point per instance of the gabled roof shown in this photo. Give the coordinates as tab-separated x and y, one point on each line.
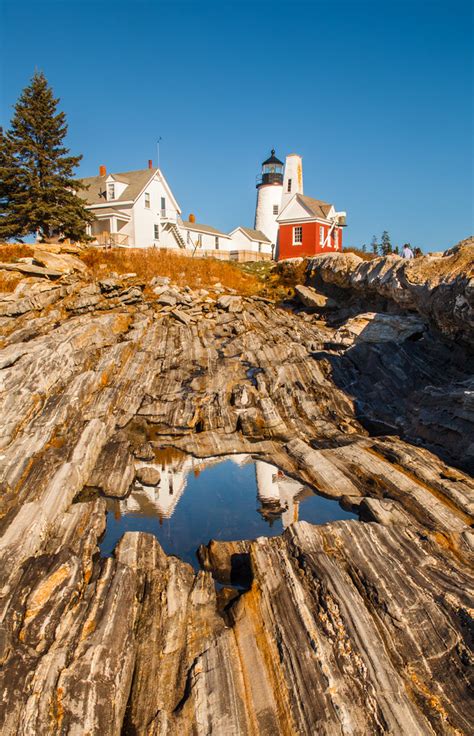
256	235
203	228
136	181
316	208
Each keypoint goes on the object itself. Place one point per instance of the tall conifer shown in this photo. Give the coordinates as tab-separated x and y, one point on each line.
386	245
37	194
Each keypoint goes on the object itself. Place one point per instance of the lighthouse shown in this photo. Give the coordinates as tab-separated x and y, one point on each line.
269	195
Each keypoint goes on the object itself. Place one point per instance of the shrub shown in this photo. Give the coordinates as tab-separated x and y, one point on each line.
361	253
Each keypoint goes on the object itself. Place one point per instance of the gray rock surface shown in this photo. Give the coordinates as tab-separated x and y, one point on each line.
355	627
439	288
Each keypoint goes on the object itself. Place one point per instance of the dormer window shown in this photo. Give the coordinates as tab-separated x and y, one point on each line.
110	191
147	200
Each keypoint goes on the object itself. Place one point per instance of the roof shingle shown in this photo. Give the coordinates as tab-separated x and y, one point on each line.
203	228
255	234
316	206
136	181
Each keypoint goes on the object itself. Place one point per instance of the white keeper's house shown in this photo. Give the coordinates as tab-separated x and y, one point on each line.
138	209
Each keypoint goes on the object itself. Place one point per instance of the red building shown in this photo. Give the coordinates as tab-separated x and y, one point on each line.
307	227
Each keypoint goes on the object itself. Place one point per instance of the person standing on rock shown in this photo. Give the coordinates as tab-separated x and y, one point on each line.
407	252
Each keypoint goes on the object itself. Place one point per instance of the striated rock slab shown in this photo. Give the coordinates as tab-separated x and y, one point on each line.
114	470
347	628
439	288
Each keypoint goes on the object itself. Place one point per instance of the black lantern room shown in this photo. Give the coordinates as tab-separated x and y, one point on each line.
272	171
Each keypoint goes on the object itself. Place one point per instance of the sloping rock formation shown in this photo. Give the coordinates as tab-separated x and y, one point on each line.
352	627
439	288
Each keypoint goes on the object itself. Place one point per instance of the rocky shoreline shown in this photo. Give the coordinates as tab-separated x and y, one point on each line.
351	627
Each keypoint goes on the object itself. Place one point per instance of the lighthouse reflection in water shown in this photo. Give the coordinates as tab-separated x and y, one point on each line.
226	498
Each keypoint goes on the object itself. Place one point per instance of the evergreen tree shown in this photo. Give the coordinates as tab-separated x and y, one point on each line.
396	250
7	180
364	248
374	245
386	245
37	191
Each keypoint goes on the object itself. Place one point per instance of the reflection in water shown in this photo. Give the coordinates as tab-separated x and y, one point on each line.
213	498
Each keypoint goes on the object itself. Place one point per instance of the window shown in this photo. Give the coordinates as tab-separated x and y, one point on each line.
147	200
259	247
297	235
321	235
336	239
216	242
157	232
275	209
110	191
199	241
163	207
289	185
188	238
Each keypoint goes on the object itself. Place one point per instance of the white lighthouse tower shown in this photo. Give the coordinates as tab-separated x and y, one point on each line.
269	196
293	182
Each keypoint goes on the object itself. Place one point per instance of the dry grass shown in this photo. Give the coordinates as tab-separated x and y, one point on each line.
362	254
9	282
10	253
182	270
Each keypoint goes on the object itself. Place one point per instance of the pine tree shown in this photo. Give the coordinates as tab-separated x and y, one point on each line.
37	191
386	245
396	250
364	248
374	245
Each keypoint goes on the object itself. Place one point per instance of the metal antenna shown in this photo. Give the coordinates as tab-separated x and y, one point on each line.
158	149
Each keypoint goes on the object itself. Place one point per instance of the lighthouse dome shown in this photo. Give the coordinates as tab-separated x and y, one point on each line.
272	171
272	159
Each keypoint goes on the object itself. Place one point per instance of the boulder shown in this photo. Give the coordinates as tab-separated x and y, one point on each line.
181	316
379	327
311	298
166	299
147	475
32	270
63	262
144	452
160	281
230	303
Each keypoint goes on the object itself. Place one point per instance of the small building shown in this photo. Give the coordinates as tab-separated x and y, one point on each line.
206	240
309	226
250	245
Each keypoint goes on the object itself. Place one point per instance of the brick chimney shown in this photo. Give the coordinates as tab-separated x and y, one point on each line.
102	171
150	163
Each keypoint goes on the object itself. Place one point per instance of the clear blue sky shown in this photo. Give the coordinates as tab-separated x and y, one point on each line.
376	96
